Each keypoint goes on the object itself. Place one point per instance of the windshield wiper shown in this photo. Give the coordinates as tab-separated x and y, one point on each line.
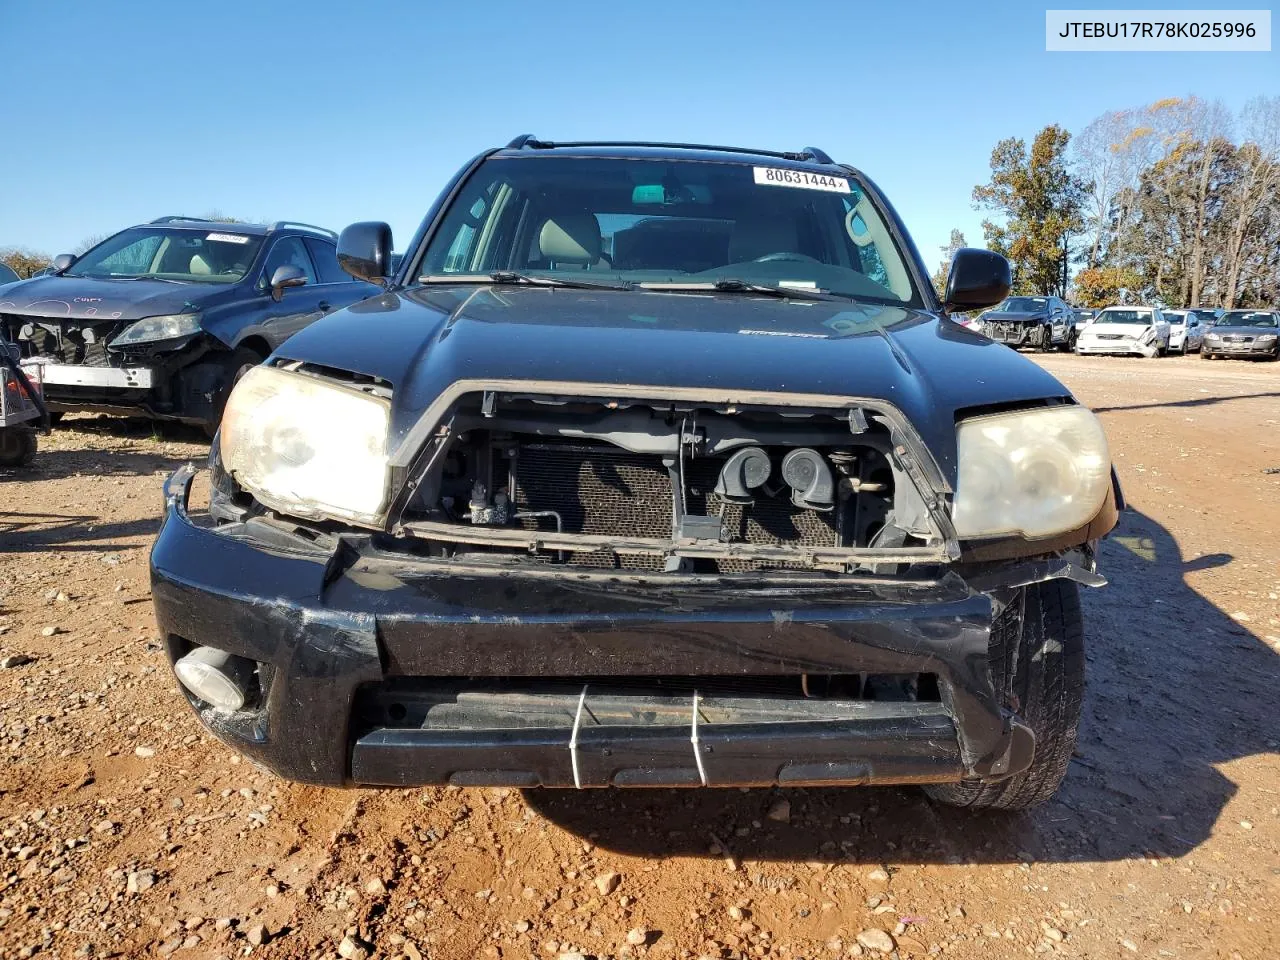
734	285
504	277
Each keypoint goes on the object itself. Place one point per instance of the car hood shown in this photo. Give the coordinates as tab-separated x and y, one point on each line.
1017	316
83	298
1247	331
425	339
1124	329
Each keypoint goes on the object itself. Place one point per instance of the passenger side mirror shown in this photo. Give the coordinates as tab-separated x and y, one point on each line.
63	261
286	275
364	251
978	279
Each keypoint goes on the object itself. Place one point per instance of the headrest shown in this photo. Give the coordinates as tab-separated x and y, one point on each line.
570	238
760	236
199	265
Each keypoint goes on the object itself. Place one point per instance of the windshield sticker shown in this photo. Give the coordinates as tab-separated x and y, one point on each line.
227	237
774	177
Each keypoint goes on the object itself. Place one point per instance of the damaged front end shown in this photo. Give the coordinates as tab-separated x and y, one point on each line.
570	586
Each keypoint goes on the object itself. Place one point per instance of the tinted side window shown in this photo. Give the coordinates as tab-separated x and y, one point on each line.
288	251
325	256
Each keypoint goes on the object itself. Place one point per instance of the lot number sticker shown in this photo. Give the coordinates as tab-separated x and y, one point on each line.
773	177
227	238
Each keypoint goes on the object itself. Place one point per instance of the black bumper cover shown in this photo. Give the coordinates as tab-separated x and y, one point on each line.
325	630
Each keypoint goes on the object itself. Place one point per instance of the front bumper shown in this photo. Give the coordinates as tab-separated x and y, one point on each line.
360	649
1125	348
1222	348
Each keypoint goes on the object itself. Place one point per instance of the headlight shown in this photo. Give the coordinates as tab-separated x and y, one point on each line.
307	447
1033	472
1266	338
158	328
1212	336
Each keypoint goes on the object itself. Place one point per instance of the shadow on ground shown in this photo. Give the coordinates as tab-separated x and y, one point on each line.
120	458
1194	402
1175	688
34	532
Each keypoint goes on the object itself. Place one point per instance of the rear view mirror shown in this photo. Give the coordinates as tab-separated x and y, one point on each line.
364	251
286	275
978	279
63	261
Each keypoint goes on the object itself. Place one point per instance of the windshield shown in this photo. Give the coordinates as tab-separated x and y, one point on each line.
169	253
1023	305
1247	318
1124	316
1175	319
670	221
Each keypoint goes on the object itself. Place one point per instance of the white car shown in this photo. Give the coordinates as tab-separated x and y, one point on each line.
1186	329
1126	330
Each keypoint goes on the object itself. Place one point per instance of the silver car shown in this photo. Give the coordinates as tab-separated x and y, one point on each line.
1186	329
1244	333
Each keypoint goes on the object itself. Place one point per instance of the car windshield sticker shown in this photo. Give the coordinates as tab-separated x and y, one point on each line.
774	177
227	237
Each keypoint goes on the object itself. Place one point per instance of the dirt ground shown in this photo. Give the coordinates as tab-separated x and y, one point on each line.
128	831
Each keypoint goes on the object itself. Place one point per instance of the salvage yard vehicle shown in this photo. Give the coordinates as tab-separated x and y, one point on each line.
1126	330
21	409
1042	323
1186	330
160	319
652	465
1244	333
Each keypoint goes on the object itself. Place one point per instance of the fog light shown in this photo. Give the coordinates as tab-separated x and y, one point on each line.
216	677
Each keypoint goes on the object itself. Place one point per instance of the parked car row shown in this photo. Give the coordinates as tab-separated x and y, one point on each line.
1048	323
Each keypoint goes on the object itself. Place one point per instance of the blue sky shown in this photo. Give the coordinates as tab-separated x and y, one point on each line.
332	112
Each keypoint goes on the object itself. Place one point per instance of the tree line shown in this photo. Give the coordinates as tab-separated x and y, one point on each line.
1176	202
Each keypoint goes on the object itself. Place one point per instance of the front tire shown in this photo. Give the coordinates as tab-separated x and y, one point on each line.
237	365
17	446
1039	670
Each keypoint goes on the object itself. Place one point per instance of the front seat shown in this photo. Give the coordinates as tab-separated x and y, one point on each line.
199	266
755	237
571	239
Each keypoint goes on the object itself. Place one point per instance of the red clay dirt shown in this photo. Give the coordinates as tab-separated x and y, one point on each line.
128	831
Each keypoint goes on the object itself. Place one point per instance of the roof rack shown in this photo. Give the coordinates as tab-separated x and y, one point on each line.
530	142
309	227
178	217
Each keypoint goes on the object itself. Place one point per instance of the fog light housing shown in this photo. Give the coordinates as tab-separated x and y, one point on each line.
220	679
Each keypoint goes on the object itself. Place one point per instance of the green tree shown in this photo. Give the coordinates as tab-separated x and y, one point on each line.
1040	202
25	263
956	242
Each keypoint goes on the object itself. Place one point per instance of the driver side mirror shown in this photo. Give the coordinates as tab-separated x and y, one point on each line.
364	251
286	275
63	261
977	279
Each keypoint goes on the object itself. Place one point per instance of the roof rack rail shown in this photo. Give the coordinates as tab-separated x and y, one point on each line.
525	140
177	217
310	227
529	141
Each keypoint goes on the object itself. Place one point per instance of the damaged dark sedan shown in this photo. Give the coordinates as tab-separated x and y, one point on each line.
160	319
1039	323
653	465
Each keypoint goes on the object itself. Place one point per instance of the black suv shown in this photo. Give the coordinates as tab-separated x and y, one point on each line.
653	465
161	318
